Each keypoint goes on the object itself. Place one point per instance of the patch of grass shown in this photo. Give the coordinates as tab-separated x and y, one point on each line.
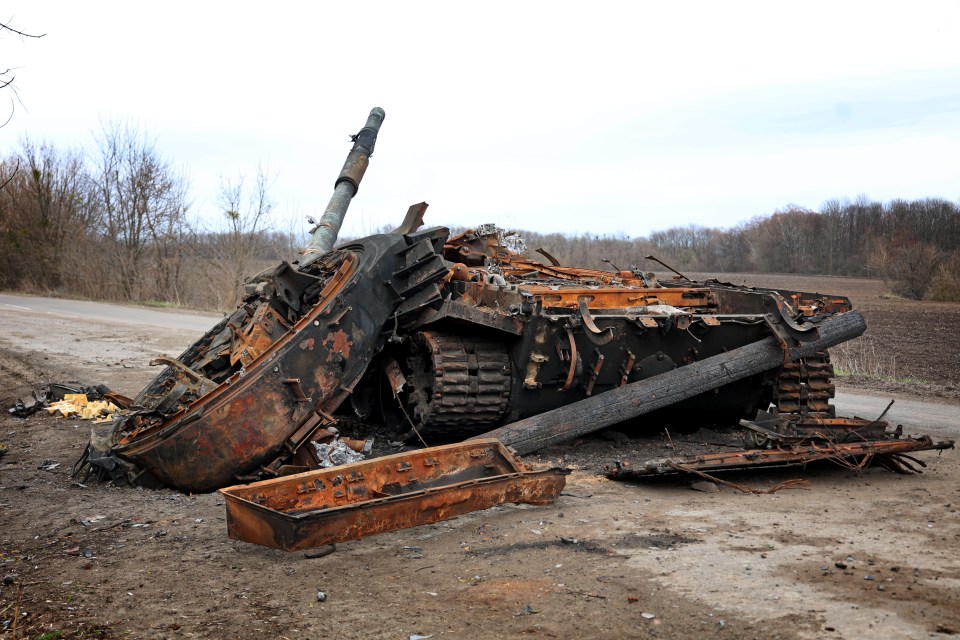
160	303
861	357
50	635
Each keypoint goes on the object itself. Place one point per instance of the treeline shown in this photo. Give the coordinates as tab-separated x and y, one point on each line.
114	223
913	245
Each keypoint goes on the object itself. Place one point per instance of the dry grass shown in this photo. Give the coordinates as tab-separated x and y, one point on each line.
862	358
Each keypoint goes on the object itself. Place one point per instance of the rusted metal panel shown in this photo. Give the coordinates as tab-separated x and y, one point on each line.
620	298
241	425
784	456
250	417
353	501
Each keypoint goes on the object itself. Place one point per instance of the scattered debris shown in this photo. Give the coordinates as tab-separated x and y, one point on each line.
322	552
705	486
69	398
28	405
79	406
336	453
321	596
412	553
889	452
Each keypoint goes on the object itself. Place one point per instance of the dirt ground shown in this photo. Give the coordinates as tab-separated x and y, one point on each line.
848	556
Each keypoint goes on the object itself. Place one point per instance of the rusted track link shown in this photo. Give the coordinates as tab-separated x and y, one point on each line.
805	387
470	387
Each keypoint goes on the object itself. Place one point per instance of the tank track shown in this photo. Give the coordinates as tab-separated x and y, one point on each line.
462	385
469	390
805	387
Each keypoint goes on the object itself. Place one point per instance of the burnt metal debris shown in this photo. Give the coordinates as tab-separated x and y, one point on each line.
889	452
423	336
784	440
41	398
353	501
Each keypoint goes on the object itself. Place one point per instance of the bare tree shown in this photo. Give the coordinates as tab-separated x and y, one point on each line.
171	235
238	243
43	214
7	76
143	203
7	79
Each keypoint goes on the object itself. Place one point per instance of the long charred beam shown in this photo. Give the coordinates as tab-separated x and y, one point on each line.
324	235
644	396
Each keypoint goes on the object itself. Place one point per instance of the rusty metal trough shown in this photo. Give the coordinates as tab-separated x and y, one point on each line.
353	501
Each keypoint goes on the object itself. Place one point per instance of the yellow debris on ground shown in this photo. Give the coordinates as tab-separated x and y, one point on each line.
77	404
79	399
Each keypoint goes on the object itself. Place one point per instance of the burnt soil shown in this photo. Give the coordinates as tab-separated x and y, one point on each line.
607	560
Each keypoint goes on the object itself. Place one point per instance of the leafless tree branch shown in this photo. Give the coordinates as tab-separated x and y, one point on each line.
6	76
6	27
13	174
9	117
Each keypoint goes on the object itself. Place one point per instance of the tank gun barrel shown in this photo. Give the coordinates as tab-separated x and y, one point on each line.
324	234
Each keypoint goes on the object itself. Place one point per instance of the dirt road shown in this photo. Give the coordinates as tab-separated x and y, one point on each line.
849	556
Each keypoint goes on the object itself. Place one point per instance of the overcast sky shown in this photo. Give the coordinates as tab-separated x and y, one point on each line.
575	117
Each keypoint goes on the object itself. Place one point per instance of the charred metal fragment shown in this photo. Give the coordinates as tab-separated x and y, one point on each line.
888	452
40	398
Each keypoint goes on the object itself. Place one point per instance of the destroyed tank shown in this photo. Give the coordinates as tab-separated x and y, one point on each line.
437	338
